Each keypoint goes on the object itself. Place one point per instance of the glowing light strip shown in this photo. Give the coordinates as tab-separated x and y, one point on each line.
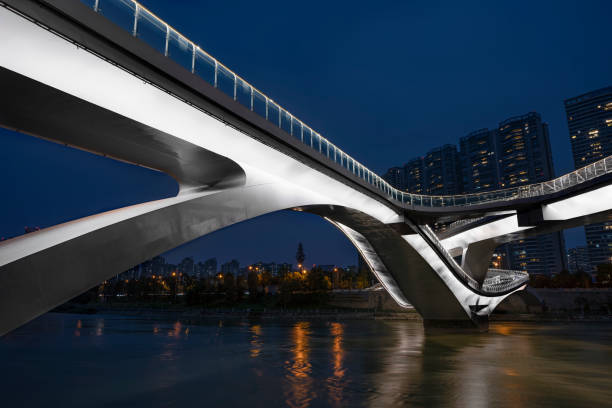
358	167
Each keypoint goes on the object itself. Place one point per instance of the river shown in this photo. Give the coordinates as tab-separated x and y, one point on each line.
69	360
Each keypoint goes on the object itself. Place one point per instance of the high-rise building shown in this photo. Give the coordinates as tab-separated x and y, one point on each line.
146	268
443	171
210	267
517	153
395	177
525	153
479	161
589	120
525	157
578	259
158	265
232	267
199	270
414	173
186	266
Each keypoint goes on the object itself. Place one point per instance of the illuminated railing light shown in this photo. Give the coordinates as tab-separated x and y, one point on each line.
589	172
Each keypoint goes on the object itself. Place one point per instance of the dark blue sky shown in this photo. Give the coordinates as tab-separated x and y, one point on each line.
386	81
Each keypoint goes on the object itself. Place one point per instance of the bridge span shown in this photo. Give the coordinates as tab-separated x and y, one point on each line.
110	77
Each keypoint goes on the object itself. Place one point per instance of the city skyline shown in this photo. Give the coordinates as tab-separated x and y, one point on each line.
515	153
470	104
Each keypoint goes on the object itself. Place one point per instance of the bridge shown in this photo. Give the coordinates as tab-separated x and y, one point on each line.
112	78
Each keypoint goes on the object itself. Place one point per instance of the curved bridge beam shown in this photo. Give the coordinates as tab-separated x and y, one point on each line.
231	164
44	269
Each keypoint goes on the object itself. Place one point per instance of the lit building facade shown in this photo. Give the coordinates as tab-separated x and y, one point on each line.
525	157
186	266
232	267
479	161
395	177
442	175
589	120
516	153
525	154
414	173
578	259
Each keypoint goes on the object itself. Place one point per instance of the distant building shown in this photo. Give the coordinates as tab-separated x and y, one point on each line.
589	120
146	269
157	266
284	268
414	173
525	157
442	175
578	260
132	273
395	177
232	267
516	153
186	266
351	270
525	152
271	267
169	268
199	270
479	157
210	267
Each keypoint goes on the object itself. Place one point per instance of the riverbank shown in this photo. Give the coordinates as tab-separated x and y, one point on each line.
182	312
187	312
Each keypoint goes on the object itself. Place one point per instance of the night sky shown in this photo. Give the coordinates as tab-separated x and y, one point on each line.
385	81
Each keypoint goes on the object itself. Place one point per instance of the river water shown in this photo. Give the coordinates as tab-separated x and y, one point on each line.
117	361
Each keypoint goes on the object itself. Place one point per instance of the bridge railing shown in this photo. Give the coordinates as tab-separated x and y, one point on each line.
502	280
142	23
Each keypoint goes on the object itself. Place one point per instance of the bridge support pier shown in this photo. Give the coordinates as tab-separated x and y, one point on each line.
479	324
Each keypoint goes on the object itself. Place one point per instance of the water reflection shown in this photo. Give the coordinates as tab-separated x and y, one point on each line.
299	392
336	383
401	364
176	330
99	327
256	342
353	363
79	326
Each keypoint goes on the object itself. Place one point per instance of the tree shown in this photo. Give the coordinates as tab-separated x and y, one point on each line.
604	272
252	283
582	279
299	256
564	279
229	286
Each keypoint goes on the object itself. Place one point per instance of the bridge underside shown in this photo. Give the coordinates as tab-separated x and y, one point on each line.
51	266
44	269
477	241
227	168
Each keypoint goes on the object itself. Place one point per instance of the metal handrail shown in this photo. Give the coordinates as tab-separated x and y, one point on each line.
443	252
176	46
502	280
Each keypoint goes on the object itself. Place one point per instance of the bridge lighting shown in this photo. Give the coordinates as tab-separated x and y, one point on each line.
425	243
